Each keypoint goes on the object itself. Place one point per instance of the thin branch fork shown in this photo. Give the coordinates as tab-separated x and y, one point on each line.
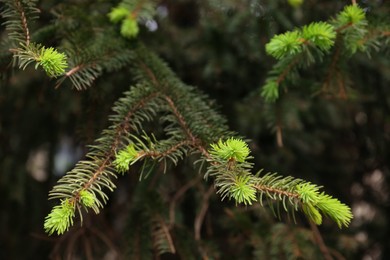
120	130
194	140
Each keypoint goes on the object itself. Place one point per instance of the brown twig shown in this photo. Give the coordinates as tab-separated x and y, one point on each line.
285	72
73	70
320	242
342	90
333	65
23	18
181	120
156	154
177	196
279	135
277	191
202	212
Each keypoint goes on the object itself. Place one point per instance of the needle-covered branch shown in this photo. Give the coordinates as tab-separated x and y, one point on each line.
234	180
310	45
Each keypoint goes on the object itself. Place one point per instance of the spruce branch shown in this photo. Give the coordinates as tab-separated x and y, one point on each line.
301	48
90	58
229	186
351	24
18	13
351	29
83	185
23	18
233	180
125	143
52	61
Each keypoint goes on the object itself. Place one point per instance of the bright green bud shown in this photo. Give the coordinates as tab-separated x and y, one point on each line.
52	61
124	158
350	15
334	209
87	198
60	218
295	3
308	193
232	149
321	34
242	191
129	28
118	13
288	43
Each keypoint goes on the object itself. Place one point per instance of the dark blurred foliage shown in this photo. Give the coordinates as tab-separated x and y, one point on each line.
340	143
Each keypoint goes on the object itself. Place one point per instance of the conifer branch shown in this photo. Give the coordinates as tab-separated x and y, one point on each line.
233	180
17	13
181	120
120	130
301	48
82	186
154	154
23	18
278	192
227	160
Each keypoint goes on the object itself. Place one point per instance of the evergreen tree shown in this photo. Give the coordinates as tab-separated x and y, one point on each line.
167	146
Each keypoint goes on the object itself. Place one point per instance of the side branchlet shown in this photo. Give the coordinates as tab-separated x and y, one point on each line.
303	46
124	158
234	180
60	218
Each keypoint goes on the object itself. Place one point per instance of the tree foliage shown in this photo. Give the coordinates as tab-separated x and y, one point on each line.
160	124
